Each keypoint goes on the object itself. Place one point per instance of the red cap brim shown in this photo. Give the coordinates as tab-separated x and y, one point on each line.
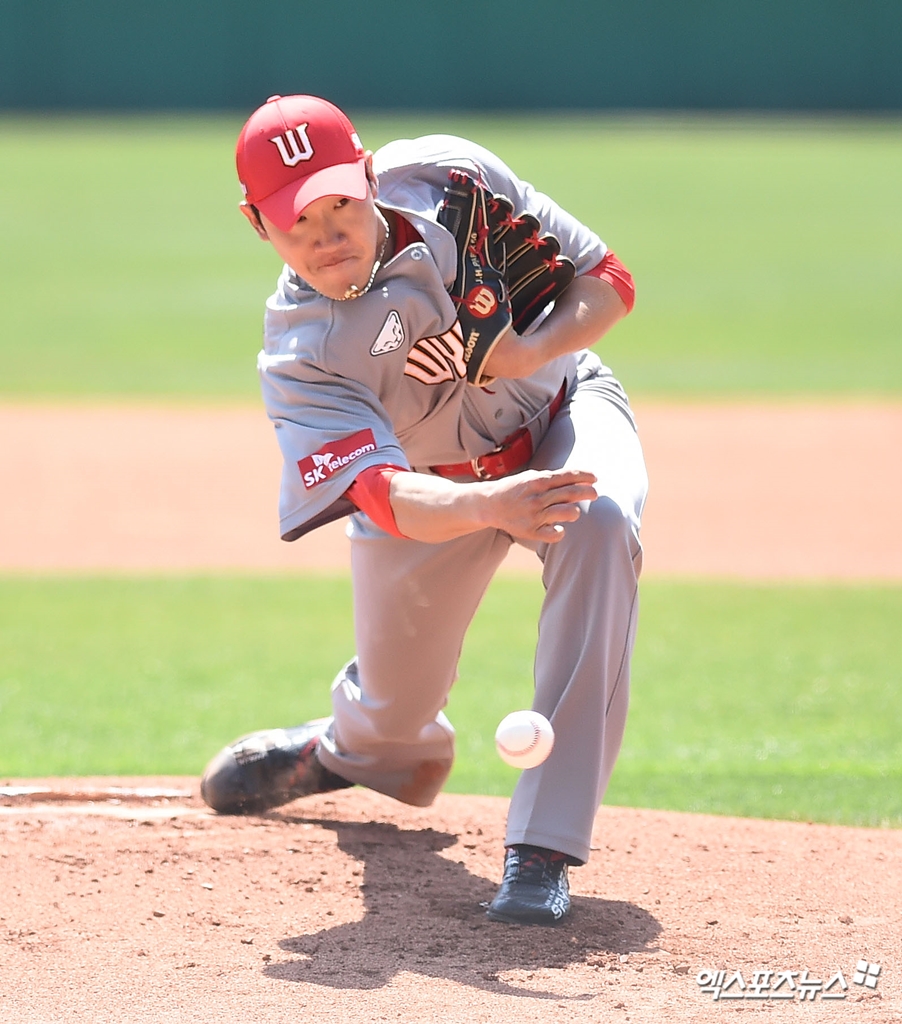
285	206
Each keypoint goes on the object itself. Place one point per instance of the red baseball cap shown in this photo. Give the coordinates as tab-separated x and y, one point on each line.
294	150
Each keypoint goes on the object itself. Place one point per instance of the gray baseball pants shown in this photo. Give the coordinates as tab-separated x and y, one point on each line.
413	603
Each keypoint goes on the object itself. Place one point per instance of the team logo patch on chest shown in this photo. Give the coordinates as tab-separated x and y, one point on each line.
318	467
390	337
435	360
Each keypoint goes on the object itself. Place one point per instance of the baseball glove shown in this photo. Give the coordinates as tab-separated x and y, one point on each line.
507	272
534	269
479	291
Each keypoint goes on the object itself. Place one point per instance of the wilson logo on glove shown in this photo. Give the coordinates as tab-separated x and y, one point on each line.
481	301
321	465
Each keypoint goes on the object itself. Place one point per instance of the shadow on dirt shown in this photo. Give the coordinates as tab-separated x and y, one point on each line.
425	914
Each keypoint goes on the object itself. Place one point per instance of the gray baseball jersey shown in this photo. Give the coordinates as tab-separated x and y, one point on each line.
382	379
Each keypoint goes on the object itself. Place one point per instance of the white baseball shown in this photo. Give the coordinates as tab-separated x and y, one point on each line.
524	739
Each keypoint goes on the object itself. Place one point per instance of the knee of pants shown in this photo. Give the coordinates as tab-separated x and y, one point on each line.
603	532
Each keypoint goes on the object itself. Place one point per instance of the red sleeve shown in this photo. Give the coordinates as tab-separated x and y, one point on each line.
618	277
369	492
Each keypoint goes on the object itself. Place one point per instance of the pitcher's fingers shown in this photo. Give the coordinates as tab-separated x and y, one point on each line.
551	533
565	476
571	494
562	514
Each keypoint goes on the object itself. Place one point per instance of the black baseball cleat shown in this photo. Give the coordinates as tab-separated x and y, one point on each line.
269	768
534	889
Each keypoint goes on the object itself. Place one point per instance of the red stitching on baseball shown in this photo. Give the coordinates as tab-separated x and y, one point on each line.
536	735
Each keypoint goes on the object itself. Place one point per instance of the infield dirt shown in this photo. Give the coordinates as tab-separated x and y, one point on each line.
123	907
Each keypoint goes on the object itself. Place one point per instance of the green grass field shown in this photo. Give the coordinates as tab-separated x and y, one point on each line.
762	701
767	252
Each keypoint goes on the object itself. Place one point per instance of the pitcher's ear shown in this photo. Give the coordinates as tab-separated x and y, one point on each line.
371	174
254	217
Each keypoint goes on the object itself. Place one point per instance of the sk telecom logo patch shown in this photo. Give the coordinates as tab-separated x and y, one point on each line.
319	466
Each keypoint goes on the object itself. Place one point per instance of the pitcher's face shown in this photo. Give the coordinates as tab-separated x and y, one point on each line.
333	245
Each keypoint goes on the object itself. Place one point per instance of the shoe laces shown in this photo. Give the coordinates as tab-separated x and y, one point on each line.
534	865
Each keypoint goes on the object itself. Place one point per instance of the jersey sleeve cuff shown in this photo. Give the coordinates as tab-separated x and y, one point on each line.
370	493
617	276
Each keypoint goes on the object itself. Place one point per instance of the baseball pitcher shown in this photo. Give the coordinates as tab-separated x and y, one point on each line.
426	369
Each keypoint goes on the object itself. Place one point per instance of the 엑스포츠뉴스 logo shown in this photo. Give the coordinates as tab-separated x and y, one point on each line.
335	455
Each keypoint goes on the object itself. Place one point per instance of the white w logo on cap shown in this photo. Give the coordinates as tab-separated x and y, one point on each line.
294	146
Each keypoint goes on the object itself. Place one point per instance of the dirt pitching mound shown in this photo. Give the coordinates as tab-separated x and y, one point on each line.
125	900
